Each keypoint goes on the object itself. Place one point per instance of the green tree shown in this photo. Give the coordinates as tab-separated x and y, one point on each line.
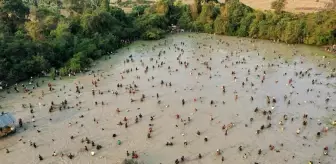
220	25
254	27
34	30
185	20
76	6
76	63
62	30
206	13
278	5
152	34
105	5
162	7
293	32
100	22
64	71
12	14
245	25
138	10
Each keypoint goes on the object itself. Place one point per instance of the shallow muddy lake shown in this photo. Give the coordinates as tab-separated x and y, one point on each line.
198	67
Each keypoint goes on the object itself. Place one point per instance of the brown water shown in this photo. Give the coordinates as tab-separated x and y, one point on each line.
187	85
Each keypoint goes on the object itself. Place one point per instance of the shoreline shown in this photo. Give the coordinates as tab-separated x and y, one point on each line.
321	49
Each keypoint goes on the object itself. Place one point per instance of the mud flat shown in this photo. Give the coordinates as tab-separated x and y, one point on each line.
230	58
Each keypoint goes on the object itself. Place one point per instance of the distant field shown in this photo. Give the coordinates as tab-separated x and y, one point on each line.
295	6
291	6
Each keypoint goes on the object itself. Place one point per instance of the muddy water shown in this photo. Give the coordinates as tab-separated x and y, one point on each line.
188	83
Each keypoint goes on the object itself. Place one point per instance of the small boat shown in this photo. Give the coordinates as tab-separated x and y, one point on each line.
7	124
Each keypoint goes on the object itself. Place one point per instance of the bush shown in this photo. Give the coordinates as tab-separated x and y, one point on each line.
153	34
64	71
208	28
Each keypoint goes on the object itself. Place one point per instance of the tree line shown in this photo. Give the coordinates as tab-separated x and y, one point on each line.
60	37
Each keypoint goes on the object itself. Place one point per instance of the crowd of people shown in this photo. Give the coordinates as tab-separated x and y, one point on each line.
247	79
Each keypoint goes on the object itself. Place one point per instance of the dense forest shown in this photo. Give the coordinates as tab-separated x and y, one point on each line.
60	37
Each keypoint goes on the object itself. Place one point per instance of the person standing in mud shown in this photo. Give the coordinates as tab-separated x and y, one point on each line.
20	123
133	90
77	89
